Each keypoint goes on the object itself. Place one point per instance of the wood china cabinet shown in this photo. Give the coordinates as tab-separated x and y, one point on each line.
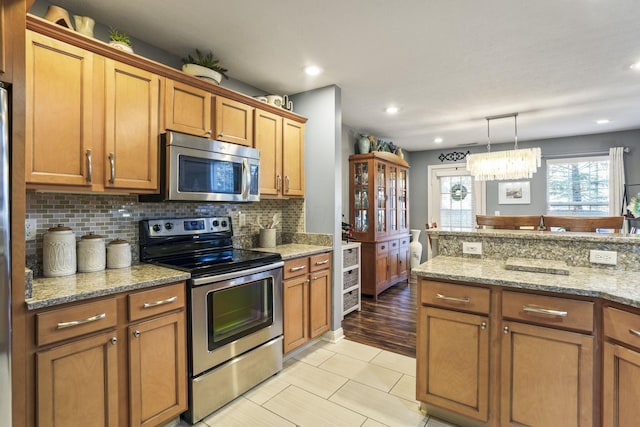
379	212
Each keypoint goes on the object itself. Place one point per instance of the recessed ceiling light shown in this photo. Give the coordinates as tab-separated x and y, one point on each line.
391	110
438	140
635	66
312	70
603	121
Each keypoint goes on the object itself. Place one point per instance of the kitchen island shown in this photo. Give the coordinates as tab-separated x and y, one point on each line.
556	344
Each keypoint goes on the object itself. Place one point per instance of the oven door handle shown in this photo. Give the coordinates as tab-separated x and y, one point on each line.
235	274
246	179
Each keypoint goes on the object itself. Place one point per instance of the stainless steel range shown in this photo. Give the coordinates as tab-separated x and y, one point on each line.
235	307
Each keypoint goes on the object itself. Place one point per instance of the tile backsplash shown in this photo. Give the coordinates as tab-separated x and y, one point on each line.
117	216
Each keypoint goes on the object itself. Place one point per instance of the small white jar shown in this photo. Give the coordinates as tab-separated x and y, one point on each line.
59	252
91	253
118	254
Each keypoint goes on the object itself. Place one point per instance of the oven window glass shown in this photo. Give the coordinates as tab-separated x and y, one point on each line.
239	311
198	175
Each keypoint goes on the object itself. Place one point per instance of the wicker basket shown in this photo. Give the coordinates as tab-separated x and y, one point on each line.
350	300
349	257
349	279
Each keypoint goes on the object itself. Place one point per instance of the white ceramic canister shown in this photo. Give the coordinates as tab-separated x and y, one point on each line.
59	252
118	254
91	253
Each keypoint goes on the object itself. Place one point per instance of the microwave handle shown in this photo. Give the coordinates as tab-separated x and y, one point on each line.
246	179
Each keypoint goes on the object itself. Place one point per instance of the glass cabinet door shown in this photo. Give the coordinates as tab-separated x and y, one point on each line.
361	197
403	212
381	198
393	199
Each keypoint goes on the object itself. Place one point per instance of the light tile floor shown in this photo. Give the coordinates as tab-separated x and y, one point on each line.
342	384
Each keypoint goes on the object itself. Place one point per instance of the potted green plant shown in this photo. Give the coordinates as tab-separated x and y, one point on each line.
120	40
204	65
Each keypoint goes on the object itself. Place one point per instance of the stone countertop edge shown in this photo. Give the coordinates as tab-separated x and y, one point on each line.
540	235
295	250
52	291
612	285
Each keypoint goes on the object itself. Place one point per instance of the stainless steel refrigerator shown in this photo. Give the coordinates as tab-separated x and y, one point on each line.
5	263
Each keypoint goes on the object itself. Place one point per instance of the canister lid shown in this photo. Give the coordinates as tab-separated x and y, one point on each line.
60	227
91	235
118	242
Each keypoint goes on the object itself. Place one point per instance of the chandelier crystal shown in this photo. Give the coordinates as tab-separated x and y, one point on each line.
504	165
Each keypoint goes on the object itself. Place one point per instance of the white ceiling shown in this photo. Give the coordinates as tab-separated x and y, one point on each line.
447	64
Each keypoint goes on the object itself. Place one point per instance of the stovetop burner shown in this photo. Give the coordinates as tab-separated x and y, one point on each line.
201	246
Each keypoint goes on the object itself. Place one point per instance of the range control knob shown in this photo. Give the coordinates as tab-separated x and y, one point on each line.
224	223
168	225
156	227
215	223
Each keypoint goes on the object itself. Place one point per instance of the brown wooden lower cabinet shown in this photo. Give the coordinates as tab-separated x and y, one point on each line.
505	358
84	367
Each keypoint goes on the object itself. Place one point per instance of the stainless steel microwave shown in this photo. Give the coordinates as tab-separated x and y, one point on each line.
199	169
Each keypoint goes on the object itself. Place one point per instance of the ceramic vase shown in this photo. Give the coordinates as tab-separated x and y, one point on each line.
364	145
84	25
415	249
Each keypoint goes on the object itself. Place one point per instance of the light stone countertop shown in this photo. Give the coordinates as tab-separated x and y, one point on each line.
295	250
51	291
613	285
540	235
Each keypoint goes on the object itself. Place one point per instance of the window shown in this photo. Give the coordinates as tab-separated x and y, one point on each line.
578	186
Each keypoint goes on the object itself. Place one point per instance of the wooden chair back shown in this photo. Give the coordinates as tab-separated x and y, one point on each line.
584	223
509	222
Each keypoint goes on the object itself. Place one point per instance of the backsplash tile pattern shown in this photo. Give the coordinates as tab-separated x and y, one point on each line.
117	216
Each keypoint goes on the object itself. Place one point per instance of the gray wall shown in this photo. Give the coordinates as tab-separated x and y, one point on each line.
571	146
323	170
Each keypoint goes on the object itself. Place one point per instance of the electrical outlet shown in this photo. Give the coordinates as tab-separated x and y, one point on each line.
242	219
473	248
603	257
30	227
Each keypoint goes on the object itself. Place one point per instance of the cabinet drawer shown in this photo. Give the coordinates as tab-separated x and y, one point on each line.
460	297
65	323
320	262
403	241
296	267
350	278
394	244
382	248
622	325
547	310
155	301
350	257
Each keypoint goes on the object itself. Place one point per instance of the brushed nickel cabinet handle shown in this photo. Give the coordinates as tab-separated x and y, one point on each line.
278	182
63	325
547	311
287	183
315	277
302	267
221	135
89	166
483	325
114	340
208	132
161	302
634	332
322	262
112	165
505	329
136	333
465	300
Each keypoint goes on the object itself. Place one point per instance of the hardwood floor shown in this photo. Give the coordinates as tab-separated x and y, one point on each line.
389	323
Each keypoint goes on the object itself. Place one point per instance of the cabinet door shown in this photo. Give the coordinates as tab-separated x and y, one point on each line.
157	370
381	199
404	258
403	201
382	271
453	361
394	263
319	302
233	121
361	199
621	388
268	139
293	158
131	127
77	383
547	377
59	108
295	313
187	109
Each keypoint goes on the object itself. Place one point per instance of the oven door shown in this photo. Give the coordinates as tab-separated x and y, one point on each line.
234	313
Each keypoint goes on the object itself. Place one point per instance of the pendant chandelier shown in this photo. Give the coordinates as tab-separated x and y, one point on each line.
501	165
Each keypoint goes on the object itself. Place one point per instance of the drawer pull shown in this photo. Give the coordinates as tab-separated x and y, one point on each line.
383	247
302	267
483	325
465	300
63	325
634	332
322	262
161	302
539	310
350	251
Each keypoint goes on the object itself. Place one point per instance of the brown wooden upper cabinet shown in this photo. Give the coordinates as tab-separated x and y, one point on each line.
92	122
188	109
281	145
233	121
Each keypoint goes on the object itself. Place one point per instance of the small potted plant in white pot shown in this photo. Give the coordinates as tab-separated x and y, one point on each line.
120	40
204	65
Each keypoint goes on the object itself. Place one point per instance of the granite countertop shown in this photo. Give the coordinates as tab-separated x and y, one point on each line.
295	250
539	235
47	292
613	285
